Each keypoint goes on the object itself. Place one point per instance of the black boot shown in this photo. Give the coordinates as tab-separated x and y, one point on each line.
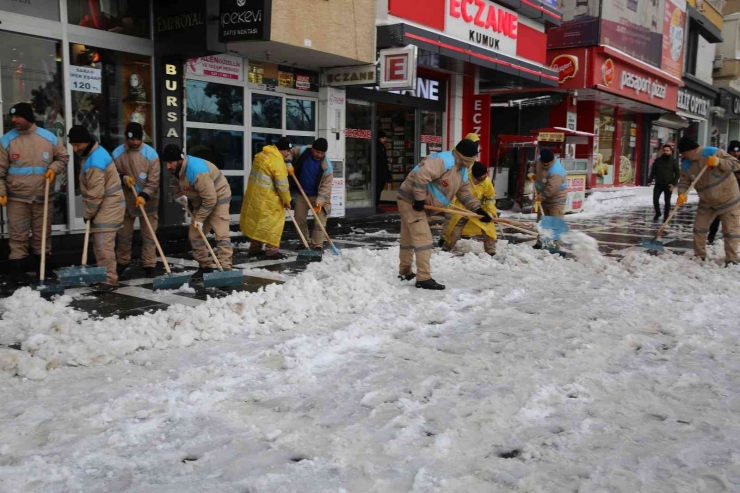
149	272
199	273
537	245
656	217
407	277
120	269
710	238
17	273
429	284
47	267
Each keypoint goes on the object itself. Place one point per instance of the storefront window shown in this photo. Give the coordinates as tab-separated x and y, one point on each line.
109	90
660	136
129	17
301	115
359	142
209	102
431	133
31	70
45	9
604	128
626	166
398	122
267	111
223	148
236	184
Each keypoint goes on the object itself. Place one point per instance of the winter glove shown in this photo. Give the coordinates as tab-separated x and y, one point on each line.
3	200
198	225
317	209
140	201
531	176
50	175
129	181
486	218
712	161
182	200
418	205
682	199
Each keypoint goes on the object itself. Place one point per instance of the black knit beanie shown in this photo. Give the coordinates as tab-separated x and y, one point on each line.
283	144
79	135
546	156
467	148
479	170
134	131
320	145
172	153
24	110
687	144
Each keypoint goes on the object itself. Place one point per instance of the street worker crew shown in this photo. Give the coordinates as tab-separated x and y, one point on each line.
458	226
266	200
138	165
719	195
103	202
435	181
29	157
551	185
201	183
665	172
314	172
733	150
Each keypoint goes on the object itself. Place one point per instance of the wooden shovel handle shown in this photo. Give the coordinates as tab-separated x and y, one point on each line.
87	241
42	270
208	245
310	206
675	209
151	230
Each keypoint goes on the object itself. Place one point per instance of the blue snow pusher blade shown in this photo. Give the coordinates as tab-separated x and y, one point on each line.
223	278
171	281
72	276
653	245
48	291
554	224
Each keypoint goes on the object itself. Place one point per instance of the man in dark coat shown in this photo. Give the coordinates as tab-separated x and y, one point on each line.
665	172
734	150
382	172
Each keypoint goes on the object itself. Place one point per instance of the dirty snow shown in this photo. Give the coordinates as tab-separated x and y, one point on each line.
530	373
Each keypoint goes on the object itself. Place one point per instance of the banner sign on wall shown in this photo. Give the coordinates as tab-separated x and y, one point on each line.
244	20
635	28
477	120
223	66
580	25
673	36
85	79
483	24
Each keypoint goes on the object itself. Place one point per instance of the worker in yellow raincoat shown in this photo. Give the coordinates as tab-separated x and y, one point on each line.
455	227
266	200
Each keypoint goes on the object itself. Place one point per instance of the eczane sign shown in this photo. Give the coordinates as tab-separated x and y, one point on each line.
398	68
483	23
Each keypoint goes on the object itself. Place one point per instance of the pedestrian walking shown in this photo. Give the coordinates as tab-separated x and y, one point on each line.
313	170
103	202
29	157
201	185
665	172
382	171
267	198
138	165
435	181
551	187
734	151
719	195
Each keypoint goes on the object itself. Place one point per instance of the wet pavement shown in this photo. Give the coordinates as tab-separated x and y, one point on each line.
617	234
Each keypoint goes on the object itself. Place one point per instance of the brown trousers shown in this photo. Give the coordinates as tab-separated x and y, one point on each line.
416	240
126	236
301	219
554	210
730	231
24	217
256	247
104	247
218	221
489	244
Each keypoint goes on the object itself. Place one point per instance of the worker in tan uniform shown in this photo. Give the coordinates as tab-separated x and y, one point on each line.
719	195
551	187
102	199
435	181
201	183
29	156
138	165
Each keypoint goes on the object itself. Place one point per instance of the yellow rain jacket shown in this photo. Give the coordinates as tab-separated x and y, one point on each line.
262	216
486	194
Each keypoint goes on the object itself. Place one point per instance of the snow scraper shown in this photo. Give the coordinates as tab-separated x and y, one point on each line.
169	281
519	226
306	255
653	244
333	248
220	278
558	227
46	290
83	274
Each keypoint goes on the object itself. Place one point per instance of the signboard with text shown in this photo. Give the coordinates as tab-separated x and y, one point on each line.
477	120
483	24
576	193
398	68
244	20
673	37
223	66
86	79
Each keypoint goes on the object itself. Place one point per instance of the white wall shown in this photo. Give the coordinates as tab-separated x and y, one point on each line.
704	60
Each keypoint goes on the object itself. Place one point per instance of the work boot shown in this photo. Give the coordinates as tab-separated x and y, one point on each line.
727	264
407	277
120	269
199	273
103	287
441	242
277	256
252	255
537	245
656	216
429	284
710	238
318	249
36	260
17	276
149	272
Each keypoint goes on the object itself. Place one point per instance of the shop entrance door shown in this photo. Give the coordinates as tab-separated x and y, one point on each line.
399	124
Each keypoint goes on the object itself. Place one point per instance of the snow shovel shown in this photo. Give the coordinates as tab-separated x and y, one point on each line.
334	249
221	278
558	227
70	276
164	282
306	255
47	291
654	245
466	213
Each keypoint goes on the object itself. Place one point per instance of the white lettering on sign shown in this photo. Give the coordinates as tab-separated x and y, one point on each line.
223	66
692	103
477	115
85	79
484	24
425	89
643	84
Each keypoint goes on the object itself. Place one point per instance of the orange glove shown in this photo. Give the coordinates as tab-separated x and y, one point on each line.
3	200
682	199
712	161
317	209
129	181
531	176
50	175
140	202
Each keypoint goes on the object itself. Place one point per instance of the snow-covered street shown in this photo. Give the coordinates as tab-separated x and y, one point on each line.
530	373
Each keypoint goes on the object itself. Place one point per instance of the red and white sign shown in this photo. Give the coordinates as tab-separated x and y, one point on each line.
398	68
576	193
632	81
483	23
566	66
477	120
607	72
223	66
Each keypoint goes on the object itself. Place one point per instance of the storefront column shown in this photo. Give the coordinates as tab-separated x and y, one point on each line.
455	109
